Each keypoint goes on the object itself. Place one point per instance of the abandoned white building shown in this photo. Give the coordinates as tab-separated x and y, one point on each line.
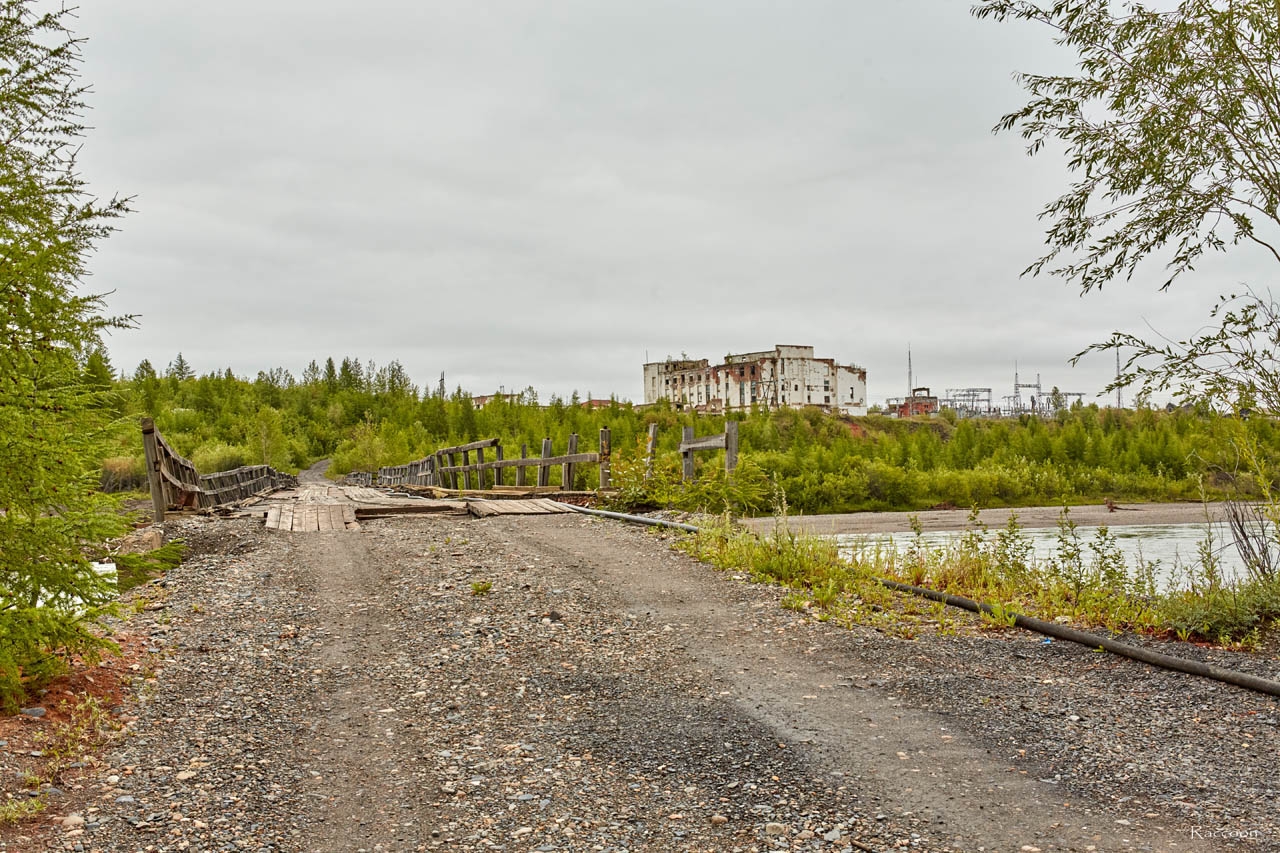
784	376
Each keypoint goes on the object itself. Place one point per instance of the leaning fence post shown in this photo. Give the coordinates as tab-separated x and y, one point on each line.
687	455
153	467
730	446
604	458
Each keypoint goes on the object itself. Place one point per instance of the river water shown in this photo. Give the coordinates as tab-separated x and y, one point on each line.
1172	548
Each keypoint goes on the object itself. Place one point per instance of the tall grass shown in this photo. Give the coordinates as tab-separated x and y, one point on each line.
1085	582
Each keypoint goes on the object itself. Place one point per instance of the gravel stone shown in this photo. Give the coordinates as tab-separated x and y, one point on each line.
347	691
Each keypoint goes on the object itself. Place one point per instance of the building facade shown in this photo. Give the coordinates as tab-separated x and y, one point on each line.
785	376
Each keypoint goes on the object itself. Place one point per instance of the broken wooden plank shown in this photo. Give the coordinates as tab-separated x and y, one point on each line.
710	442
537	506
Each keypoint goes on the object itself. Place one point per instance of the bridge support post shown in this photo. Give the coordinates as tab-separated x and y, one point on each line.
153	468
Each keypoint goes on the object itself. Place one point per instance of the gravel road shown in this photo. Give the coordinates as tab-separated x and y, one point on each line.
350	692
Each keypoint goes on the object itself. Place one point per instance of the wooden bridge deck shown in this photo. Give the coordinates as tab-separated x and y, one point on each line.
316	507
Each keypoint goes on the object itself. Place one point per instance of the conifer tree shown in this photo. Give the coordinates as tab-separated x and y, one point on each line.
51	515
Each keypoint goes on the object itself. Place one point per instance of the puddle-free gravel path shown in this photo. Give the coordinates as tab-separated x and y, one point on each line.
566	683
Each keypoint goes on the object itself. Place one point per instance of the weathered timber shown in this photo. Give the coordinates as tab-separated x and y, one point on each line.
152	451
726	441
709	442
484	508
606	452
686	456
544	472
175	482
730	445
567	469
650	447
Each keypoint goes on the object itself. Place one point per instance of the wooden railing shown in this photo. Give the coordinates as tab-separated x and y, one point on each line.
176	483
726	441
453	467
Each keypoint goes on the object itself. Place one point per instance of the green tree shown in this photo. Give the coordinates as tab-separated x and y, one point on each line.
179	369
51	516
1171	122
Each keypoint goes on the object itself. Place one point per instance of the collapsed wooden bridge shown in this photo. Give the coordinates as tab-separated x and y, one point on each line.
449	481
287	505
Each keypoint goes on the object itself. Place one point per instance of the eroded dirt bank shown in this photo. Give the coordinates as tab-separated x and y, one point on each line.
350	691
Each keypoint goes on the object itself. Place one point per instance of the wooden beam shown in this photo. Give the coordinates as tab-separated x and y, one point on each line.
150	448
707	442
650	447
544	472
686	454
605	452
730	445
567	469
475	445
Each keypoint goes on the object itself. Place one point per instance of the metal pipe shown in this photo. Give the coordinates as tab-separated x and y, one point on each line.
637	519
1093	641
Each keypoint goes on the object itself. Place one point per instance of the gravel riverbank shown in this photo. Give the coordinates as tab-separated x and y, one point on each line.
1089	515
367	691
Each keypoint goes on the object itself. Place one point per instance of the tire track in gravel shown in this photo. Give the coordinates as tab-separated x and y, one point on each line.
363	737
907	759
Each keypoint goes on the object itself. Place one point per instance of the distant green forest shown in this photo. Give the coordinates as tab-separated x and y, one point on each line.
365	416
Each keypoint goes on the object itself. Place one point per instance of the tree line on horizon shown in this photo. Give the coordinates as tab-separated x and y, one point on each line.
364	416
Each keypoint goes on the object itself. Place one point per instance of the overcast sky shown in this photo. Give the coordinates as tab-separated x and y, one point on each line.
546	194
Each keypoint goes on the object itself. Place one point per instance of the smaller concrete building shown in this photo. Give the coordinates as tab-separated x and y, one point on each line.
785	376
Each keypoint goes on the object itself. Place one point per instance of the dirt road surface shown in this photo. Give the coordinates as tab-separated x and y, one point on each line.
563	683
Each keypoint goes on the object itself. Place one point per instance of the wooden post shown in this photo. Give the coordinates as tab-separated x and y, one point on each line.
466	475
604	457
687	456
730	446
453	475
544	471
650	447
153	467
524	454
497	472
567	470
480	474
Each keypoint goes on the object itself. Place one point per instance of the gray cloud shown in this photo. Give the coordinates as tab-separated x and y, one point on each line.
539	194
